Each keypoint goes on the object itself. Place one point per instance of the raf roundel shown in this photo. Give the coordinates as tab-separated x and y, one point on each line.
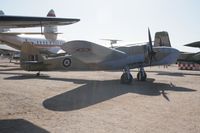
66	62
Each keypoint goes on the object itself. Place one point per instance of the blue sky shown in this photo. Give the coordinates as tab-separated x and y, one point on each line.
126	20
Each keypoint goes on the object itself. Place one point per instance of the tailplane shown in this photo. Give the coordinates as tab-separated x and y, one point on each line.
162	39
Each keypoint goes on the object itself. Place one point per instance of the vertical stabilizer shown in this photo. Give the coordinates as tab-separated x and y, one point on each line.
30	58
50	31
162	39
3	29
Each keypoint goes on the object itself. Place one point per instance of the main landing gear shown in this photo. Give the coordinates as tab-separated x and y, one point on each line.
127	78
141	75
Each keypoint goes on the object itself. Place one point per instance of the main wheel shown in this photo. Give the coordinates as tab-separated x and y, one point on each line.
126	78
38	74
141	76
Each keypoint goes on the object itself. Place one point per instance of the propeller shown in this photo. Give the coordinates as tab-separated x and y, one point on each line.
151	53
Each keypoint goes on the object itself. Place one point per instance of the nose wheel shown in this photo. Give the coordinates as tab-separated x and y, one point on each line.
141	76
126	77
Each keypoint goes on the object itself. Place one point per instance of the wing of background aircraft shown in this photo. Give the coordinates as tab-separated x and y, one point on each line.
4	47
194	44
27	21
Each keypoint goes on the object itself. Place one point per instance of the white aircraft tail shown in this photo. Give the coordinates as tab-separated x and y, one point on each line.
3	29
162	39
50	32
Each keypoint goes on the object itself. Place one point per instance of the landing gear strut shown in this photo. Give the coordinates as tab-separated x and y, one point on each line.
141	76
126	77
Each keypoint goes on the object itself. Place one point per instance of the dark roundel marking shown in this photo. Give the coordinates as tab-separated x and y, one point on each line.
67	62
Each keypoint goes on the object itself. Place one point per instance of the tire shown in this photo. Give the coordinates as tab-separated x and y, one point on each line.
141	77
125	80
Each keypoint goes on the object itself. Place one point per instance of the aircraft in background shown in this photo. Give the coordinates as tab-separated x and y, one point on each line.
50	45
190	57
112	41
85	55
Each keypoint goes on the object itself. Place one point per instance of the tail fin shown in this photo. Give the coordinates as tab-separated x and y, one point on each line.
162	39
1	28
30	58
50	31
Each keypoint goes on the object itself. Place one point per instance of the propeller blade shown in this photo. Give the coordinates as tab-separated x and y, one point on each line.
150	40
151	52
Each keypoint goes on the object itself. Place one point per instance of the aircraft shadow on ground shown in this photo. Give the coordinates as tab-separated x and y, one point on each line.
96	91
180	74
19	126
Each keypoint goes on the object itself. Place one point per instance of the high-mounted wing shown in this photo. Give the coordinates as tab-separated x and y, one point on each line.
89	52
27	21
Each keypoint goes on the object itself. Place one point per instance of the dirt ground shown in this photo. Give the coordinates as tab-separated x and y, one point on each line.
96	102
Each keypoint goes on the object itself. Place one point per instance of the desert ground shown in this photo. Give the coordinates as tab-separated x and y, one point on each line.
96	102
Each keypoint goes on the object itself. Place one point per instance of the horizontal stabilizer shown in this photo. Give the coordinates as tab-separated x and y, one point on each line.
27	21
89	52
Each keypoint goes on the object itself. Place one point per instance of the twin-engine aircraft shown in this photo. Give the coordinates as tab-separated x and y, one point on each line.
84	55
50	45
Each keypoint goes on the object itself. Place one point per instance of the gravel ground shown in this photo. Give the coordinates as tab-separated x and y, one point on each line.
87	102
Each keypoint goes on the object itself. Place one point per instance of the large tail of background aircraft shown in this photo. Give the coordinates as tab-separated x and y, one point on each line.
50	30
